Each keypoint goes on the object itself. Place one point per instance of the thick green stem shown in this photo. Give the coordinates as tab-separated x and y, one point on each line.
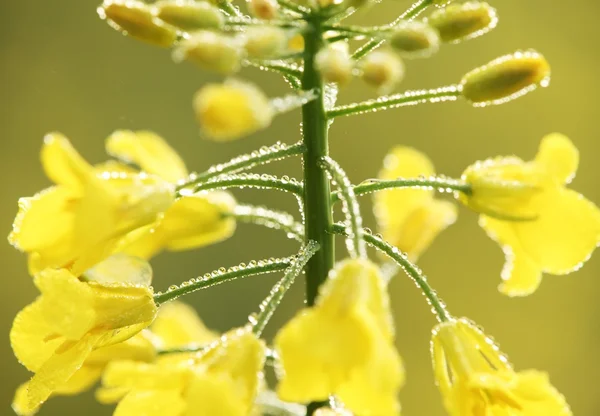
317	205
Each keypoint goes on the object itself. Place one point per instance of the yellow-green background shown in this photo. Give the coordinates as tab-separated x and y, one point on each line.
61	68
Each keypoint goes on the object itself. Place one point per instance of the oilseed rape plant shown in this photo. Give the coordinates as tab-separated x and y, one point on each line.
90	236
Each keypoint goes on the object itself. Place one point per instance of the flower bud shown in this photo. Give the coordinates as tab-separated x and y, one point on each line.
263	9
414	39
506	78
189	15
265	42
296	43
459	22
135	19
231	110
382	69
335	64
210	50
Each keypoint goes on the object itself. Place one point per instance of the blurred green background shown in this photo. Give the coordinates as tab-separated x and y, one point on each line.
64	69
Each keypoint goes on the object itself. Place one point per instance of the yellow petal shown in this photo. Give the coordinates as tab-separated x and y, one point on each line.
32	339
143	242
393	206
214	395
67	303
240	356
373	388
118	269
81	380
73	307
110	395
559	156
521	275
60	367
33	232
135	375
178	324
357	284
314	370
151	403
61	162
197	220
138	348
149	151
423	225
20	402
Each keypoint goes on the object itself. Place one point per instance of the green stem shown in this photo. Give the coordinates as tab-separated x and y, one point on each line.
438	307
442	184
270	219
270	304
248	181
374	31
262	156
317	205
415	10
219	276
350	208
278	66
448	93
246	21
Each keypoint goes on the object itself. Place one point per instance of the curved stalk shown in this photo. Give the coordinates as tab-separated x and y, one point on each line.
247	181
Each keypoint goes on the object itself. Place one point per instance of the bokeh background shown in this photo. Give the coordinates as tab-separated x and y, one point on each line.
61	68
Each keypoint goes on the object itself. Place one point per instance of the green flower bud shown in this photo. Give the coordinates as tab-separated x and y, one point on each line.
506	78
135	19
459	22
189	15
335	64
265	42
414	39
382	69
210	50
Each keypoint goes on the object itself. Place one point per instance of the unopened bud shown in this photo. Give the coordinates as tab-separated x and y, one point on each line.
382	69
189	15
210	50
135	19
459	22
263	9
335	64
265	42
231	110
296	43
414	39
506	78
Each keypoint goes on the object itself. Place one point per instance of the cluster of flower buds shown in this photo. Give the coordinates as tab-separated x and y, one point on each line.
200	32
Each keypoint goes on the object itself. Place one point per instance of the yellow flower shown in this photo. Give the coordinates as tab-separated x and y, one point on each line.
475	379
55	335
76	223
410	219
176	326
194	220
231	110
542	226
222	380
344	345
138	348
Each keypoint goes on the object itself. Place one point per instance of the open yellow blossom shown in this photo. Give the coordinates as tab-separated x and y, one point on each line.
410	219
542	226
177	326
223	379
344	345
138	348
475	379
192	221
231	110
76	223
57	333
